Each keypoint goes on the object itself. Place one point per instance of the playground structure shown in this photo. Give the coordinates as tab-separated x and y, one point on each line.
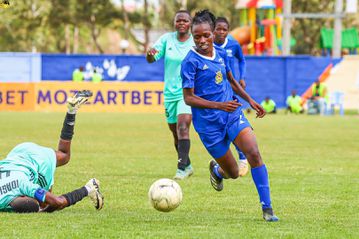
260	31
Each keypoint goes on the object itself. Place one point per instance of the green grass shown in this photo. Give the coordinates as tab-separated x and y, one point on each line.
313	163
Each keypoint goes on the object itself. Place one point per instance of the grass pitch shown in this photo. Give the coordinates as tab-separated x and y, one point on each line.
313	164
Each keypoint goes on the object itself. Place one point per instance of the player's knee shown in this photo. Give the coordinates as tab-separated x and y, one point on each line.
234	172
182	130
254	157
25	205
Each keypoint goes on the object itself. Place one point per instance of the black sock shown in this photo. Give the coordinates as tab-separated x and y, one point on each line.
183	151
76	195
68	127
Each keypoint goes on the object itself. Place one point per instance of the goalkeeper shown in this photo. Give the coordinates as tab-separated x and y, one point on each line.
27	172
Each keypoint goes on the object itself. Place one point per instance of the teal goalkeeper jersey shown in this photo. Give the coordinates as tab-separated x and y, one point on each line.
27	168
173	52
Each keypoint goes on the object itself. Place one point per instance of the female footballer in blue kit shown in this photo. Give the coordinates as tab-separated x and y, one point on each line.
235	55
207	84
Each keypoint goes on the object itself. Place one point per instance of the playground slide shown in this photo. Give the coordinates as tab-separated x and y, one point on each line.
344	77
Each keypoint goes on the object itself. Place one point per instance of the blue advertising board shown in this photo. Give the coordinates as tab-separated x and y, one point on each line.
112	67
265	76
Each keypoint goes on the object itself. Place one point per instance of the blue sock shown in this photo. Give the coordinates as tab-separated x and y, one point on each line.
241	155
215	170
260	178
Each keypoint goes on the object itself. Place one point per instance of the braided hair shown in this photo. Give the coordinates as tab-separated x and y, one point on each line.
204	16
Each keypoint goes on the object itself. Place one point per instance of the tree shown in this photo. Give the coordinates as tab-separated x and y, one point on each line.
62	16
97	15
23	25
224	8
307	31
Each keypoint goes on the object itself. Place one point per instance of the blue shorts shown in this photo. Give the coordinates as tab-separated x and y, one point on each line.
218	142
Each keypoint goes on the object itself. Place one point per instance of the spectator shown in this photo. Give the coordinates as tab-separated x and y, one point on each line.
78	74
319	97
269	105
96	77
294	103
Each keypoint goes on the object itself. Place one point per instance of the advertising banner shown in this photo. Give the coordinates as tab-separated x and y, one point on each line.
59	67
17	96
107	97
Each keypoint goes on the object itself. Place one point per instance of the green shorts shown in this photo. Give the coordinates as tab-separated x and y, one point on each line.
175	108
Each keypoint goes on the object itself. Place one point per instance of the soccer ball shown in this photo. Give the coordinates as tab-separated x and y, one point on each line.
165	195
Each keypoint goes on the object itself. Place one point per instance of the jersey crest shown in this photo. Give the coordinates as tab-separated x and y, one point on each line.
219	77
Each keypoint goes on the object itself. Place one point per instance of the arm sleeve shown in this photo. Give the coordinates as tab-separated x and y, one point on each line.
241	62
226	62
32	190
160	46
188	74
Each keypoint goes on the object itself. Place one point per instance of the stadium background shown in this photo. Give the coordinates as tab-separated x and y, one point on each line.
135	81
312	160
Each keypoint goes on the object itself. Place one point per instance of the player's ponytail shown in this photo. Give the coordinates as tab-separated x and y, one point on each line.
204	16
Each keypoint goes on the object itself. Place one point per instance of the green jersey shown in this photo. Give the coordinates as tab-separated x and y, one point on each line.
173	52
26	169
268	106
77	76
295	102
96	78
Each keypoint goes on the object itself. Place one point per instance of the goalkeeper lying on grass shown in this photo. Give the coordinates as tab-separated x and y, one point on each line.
27	172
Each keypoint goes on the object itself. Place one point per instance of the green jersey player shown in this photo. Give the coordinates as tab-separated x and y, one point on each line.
27	172
173	47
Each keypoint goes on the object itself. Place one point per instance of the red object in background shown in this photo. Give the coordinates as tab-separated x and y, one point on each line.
268	22
252	4
268	37
259	47
245	49
278	3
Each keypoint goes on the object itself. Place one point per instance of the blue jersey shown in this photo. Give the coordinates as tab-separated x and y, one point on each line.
208	77
235	57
